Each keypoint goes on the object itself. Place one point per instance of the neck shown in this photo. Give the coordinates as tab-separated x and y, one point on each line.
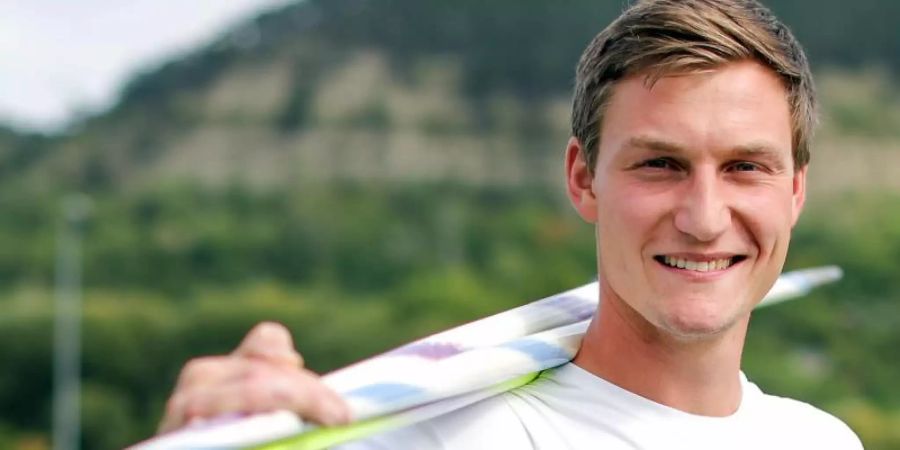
698	375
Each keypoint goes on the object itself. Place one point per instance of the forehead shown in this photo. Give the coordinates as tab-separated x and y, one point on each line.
736	105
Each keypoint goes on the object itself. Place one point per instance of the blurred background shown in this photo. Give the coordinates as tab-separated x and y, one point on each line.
368	172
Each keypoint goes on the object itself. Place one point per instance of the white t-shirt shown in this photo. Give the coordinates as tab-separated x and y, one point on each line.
570	408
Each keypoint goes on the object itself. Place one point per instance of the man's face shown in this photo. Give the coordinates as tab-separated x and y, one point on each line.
694	196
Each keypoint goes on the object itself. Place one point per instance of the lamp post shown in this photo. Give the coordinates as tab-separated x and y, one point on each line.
67	324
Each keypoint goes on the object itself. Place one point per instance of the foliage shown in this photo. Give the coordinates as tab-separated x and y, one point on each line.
377	267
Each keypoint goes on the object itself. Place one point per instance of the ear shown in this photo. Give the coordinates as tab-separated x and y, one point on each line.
579	182
799	196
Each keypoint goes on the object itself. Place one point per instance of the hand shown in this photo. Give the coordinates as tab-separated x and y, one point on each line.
265	373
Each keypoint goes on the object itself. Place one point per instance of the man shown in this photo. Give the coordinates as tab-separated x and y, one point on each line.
691	128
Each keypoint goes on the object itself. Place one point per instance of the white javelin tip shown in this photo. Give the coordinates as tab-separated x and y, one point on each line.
818	276
797	283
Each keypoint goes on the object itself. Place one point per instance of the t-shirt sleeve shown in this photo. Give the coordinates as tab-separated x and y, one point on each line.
812	427
843	436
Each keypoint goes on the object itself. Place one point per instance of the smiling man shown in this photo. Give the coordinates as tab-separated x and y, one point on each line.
691	128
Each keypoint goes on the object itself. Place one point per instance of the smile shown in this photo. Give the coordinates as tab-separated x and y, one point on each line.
706	265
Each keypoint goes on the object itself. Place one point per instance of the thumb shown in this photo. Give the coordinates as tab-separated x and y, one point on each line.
272	342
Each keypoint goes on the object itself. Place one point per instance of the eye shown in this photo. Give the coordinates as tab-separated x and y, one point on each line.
659	163
744	166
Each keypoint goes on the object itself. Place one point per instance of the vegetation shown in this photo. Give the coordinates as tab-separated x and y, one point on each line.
182	272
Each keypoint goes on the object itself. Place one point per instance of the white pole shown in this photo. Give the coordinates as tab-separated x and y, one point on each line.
67	325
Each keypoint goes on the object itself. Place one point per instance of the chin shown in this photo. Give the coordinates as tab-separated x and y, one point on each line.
697	325
693	331
699	315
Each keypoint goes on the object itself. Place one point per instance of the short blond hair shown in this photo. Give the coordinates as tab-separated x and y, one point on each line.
657	38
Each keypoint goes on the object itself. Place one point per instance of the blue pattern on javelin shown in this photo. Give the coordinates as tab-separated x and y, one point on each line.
386	392
546	355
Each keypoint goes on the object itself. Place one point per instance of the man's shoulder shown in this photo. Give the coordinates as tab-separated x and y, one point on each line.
567	408
487	424
803	419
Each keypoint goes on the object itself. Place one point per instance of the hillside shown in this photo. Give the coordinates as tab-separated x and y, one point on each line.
379	90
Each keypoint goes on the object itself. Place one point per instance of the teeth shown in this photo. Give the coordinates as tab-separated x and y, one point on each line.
698	266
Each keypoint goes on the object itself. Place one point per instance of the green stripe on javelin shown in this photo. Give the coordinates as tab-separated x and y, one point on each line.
323	438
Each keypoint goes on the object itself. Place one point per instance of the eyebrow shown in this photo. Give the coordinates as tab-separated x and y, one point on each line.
752	149
652	144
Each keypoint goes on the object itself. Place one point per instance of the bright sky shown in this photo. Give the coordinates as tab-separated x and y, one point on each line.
58	57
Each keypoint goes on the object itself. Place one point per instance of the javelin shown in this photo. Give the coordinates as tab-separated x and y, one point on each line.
442	372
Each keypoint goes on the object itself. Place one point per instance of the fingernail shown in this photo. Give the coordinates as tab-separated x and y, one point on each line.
336	413
195	421
267	331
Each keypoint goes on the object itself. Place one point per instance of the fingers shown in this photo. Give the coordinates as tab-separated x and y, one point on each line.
260	387
272	342
313	400
208	370
265	389
263	374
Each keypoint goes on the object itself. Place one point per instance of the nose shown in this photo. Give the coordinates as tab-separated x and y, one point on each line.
702	210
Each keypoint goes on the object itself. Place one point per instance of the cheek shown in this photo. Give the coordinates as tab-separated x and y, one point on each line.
632	210
628	221
767	217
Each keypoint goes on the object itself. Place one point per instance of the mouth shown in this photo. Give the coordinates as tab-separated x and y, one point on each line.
700	264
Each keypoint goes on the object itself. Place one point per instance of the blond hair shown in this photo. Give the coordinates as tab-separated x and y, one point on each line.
657	38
